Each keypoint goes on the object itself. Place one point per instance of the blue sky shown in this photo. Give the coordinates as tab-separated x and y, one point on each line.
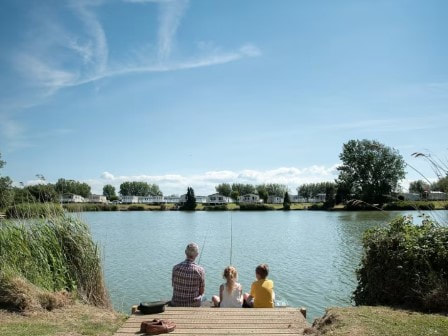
201	92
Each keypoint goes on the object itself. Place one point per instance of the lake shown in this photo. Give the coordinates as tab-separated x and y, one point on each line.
312	255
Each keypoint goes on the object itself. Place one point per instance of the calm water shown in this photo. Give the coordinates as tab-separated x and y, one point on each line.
312	255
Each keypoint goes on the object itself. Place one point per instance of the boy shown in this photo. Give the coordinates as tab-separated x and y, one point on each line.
262	291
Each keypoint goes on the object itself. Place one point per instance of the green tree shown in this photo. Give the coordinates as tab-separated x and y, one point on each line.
64	186
243	189
419	187
330	191
310	190
6	191
371	169
43	192
109	192
342	193
139	189
286	202
190	202
224	189
23	195
234	195
304	191
275	189
262	192
440	185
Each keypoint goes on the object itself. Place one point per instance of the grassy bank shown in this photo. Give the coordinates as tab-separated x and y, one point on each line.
73	320
379	321
45	262
40	210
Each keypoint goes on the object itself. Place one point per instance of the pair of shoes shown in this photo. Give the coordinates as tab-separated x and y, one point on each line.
156	327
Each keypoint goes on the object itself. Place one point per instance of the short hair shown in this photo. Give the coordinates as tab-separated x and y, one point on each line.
192	250
262	270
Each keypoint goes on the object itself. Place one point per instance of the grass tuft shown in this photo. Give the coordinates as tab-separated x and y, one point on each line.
50	255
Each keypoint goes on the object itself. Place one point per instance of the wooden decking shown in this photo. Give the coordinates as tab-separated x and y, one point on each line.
224	321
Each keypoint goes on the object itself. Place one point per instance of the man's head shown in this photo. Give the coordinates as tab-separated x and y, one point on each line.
192	251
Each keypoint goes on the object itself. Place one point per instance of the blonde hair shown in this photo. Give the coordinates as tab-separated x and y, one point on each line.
230	273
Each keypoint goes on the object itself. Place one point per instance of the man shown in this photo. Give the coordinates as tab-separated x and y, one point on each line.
188	280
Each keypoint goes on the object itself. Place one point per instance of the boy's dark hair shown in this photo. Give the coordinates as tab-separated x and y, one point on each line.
262	270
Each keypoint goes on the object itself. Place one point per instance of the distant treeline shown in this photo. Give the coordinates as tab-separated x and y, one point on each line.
370	172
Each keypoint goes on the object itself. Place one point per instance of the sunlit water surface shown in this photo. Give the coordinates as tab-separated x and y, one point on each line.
312	255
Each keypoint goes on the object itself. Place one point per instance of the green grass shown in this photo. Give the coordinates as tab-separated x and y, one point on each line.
79	207
53	254
376	321
33	210
77	319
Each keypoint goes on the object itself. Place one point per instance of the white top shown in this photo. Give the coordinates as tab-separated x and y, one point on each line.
233	299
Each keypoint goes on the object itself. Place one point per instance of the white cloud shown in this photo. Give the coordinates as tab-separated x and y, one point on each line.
205	183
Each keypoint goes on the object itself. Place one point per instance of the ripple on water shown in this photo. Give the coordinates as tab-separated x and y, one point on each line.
312	255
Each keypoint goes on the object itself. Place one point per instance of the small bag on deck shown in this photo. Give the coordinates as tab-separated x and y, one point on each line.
157	327
155	307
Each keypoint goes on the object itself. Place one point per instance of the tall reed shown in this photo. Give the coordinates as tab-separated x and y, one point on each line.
53	253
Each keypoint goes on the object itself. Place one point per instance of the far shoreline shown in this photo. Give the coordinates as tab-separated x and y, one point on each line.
393	206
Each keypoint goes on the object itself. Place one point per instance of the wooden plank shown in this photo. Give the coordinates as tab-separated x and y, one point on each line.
231	321
219	323
285	325
231	309
228	319
248	312
233	331
216	334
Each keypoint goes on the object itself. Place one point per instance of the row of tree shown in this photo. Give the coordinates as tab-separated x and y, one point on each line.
423	187
370	171
263	190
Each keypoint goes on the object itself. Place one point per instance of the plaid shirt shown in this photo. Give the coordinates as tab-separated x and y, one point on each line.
188	281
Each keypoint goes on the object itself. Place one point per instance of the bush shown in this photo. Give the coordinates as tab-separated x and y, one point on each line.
405	265
80	207
255	206
409	205
34	210
357	205
136	208
317	206
45	256
163	207
222	207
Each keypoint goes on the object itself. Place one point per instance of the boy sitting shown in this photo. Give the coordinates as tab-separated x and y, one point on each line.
262	291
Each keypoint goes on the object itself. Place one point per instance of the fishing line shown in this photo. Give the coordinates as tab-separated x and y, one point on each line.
231	238
203	243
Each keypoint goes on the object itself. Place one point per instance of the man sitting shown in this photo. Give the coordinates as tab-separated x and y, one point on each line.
188	280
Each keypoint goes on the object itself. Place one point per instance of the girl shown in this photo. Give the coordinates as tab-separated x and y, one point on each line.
231	292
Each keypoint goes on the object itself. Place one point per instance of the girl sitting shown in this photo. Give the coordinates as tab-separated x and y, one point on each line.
231	292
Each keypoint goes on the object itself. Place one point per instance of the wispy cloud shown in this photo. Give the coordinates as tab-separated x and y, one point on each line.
95	29
45	66
171	13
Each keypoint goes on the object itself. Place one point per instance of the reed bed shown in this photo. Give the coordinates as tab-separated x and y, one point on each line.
34	210
53	254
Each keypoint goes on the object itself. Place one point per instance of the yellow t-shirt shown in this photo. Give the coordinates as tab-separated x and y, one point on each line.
263	293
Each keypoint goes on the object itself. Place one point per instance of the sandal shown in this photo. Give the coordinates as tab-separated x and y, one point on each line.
156	327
